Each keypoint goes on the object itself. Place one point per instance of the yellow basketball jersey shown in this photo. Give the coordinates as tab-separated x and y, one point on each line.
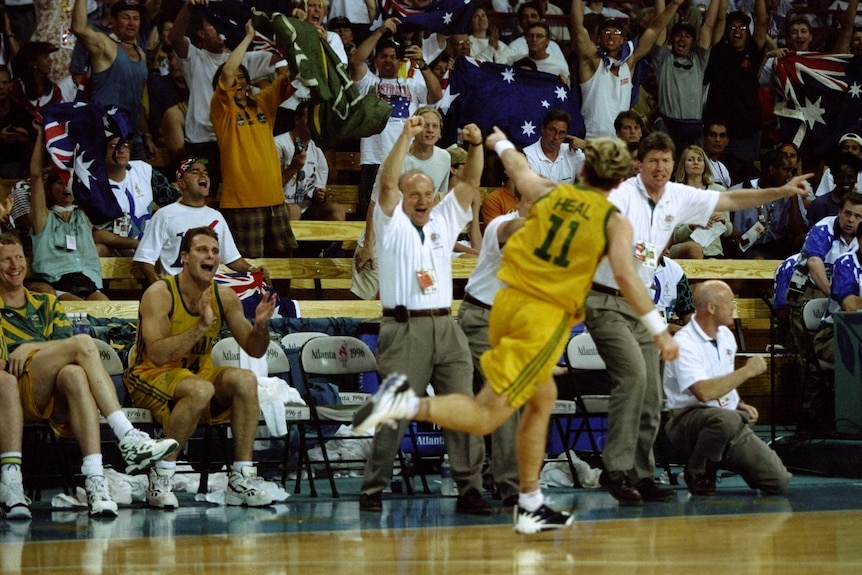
181	320
555	255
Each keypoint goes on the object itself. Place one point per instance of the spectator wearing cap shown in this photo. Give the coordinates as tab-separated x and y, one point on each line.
732	76
158	252
605	70
342	27
680	68
119	67
32	88
139	191
556	155
852	144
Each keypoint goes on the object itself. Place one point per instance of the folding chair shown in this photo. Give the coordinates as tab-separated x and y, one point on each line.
339	360
817	404
582	357
226	352
591	396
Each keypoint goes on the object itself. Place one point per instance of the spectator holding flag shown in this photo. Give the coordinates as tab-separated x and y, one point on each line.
605	70
252	200
119	66
64	253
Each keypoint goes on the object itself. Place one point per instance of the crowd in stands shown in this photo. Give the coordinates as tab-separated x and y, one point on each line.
235	127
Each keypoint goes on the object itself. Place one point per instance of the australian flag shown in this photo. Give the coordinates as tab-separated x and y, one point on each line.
443	16
819	99
512	99
250	288
76	135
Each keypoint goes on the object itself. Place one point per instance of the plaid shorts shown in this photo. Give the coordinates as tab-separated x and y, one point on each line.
261	232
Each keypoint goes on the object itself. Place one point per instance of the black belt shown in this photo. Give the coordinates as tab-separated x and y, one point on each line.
419	312
470	299
606	290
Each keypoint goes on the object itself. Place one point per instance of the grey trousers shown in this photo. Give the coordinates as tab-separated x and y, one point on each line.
724	437
426	349
473	320
632	360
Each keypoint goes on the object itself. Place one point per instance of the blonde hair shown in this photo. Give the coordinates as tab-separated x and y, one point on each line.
430	110
607	162
681	176
323	4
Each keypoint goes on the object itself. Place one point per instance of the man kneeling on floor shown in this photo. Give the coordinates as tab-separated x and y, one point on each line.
56	378
708	419
171	371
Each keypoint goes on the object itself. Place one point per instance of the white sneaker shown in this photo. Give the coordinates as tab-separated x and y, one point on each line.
99	497
140	451
13	503
542	519
389	404
160	492
246	488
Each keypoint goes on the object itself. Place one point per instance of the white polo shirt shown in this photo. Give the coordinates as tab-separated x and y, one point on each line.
566	168
654	224
483	283
401	254
700	358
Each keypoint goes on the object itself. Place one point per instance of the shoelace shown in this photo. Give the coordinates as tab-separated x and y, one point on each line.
99	489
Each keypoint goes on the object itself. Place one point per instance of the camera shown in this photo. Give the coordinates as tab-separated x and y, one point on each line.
400	49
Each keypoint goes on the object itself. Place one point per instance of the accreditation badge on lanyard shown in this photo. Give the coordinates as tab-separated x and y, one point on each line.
646	252
427	280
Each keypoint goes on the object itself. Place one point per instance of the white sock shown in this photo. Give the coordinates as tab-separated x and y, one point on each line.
92	465
119	423
238	465
531	501
172	465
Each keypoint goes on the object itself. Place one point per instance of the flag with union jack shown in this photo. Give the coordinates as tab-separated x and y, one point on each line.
443	16
819	99
250	288
76	136
513	99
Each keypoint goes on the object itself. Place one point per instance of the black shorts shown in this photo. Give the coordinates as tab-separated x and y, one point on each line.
76	284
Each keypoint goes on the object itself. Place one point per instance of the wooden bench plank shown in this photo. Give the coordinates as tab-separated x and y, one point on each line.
128	309
729	269
286	268
327	231
339	268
